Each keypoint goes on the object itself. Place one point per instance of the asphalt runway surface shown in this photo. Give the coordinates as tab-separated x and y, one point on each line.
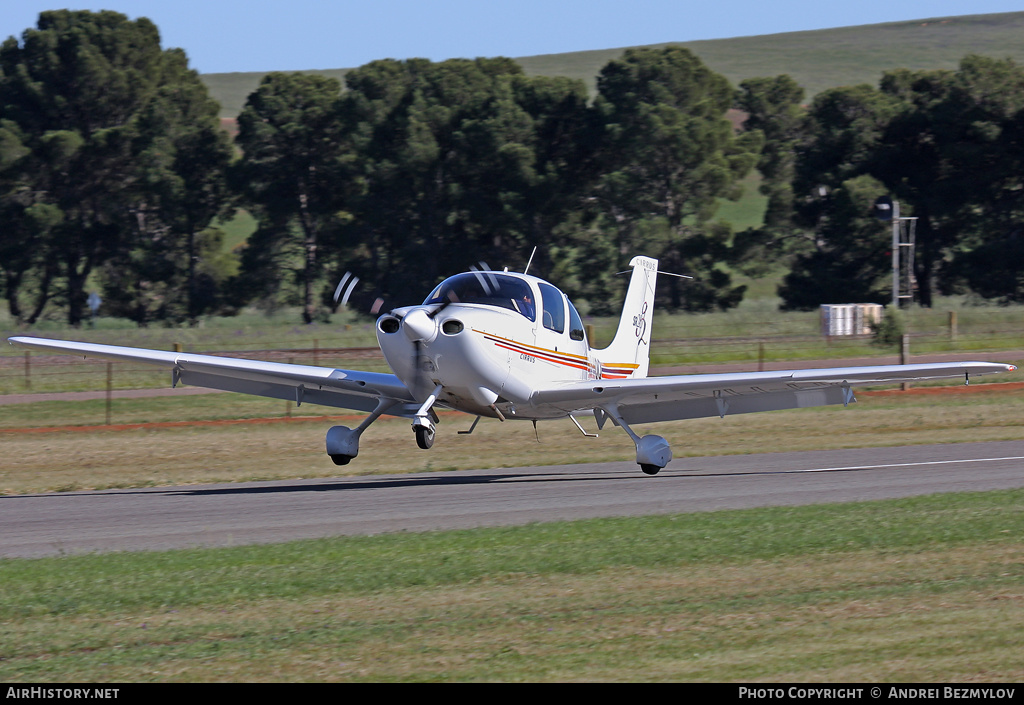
266	512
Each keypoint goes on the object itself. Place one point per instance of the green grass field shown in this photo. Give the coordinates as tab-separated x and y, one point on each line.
916	590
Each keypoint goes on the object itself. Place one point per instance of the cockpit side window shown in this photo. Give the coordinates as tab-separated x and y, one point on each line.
554	308
486	288
576	330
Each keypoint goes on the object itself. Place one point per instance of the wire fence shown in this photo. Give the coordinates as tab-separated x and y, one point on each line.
686	341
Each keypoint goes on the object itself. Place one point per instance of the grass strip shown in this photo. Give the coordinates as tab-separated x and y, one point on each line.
927	588
160	456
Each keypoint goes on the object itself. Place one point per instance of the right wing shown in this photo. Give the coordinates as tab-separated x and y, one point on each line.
346	389
675	397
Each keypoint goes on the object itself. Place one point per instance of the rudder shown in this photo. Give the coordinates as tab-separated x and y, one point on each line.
628	355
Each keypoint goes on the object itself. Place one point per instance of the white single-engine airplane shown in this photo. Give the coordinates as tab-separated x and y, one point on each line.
511	346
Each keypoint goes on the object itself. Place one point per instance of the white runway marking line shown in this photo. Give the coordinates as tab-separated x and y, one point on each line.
907	465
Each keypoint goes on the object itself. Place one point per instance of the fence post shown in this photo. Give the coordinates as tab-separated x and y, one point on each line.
952	326
288	403
905	356
110	388
28	370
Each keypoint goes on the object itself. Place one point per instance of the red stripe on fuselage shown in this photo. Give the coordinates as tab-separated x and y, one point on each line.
578	362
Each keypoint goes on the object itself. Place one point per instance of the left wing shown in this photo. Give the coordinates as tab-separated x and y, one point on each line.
692	396
346	389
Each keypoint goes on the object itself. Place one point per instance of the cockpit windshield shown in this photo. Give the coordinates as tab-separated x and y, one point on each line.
486	288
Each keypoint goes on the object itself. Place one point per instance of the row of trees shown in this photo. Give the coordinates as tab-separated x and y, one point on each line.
419	170
114	170
948	145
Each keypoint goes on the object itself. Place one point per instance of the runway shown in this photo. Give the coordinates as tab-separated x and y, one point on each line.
265	512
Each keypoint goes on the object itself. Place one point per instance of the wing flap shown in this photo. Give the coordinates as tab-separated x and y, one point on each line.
694	396
704	407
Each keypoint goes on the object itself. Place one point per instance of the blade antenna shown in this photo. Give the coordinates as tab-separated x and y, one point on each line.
530	260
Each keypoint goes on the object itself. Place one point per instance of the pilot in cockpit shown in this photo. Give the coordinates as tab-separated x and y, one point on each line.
525	305
528	306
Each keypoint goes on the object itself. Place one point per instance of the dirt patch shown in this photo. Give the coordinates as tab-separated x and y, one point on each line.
959	389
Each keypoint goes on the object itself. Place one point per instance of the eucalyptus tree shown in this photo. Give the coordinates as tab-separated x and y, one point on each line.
98	111
461	161
26	269
169	266
952	157
843	131
851	260
72	87
669	155
291	176
947	145
773	107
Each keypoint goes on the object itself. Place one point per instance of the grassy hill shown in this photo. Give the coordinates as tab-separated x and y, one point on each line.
817	60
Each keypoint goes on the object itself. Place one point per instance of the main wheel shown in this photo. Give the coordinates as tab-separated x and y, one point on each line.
424	437
649	469
341	459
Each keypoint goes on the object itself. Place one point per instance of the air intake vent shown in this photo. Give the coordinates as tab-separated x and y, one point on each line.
451	327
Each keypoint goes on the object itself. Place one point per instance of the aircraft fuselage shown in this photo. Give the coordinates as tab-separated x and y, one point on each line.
488	339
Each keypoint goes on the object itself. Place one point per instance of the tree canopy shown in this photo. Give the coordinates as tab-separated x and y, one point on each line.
947	146
114	174
111	147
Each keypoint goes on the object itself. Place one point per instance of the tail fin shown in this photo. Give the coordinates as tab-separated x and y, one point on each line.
628	355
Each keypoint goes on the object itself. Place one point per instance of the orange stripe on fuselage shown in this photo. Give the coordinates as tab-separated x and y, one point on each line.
579	362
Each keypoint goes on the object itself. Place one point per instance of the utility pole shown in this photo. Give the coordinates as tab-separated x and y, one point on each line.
903	279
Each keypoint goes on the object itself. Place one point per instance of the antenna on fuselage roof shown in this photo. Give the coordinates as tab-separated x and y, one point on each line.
531	260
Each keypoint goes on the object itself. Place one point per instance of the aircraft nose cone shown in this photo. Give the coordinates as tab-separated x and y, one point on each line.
419	327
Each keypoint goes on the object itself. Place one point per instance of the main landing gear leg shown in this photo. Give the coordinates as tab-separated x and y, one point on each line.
652	452
423	423
343	442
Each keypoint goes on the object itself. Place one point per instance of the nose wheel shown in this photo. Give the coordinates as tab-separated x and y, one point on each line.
424	421
424	436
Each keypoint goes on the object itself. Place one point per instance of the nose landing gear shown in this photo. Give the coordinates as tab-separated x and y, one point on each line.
425	419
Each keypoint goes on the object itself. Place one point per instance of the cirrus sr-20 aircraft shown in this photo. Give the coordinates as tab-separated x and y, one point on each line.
511	346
